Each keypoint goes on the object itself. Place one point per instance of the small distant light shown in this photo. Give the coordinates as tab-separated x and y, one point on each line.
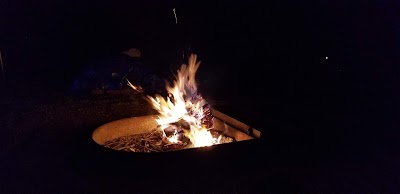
326	57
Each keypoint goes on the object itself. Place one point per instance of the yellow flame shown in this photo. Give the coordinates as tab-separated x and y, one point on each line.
201	137
184	103
137	88
174	138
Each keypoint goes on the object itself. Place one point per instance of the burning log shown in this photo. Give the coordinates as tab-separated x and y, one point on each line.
207	119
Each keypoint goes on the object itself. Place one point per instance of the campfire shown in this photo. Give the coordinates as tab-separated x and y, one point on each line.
185	119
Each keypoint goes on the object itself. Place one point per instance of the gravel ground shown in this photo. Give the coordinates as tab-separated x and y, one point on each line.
55	113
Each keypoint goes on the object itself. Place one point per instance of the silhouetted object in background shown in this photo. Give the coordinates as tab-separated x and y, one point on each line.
111	75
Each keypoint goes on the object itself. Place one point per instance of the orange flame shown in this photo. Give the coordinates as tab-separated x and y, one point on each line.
184	104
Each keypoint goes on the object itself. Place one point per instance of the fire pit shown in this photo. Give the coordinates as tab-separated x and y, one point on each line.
145	125
185	120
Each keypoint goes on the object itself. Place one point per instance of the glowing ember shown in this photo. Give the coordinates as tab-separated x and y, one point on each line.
184	111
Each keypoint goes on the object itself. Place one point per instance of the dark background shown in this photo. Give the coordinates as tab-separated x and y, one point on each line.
273	52
264	63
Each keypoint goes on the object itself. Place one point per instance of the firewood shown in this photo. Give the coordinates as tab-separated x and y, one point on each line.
154	142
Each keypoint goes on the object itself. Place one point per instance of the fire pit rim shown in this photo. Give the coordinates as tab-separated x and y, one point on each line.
147	123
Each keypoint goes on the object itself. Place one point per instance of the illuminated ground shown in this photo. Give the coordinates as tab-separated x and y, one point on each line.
47	147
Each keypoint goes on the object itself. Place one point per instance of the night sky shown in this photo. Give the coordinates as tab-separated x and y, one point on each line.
280	36
279	48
